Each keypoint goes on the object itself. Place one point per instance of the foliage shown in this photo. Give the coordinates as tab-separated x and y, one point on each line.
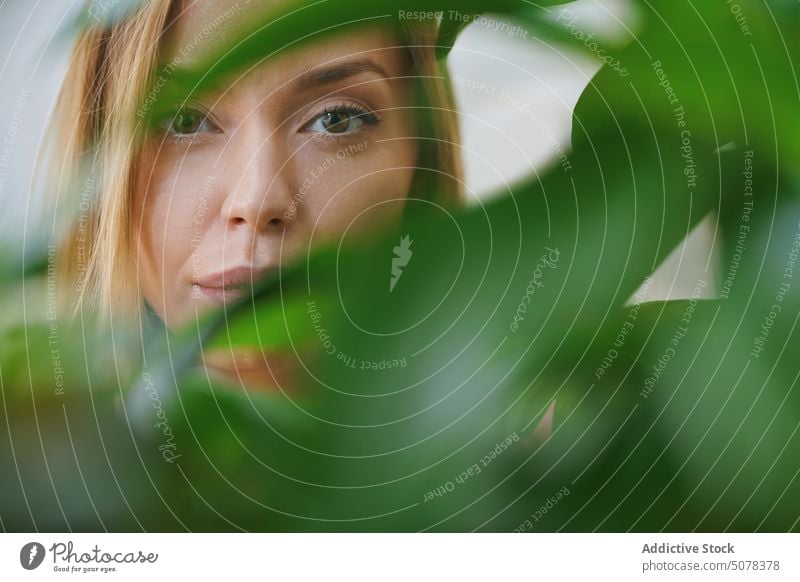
686	420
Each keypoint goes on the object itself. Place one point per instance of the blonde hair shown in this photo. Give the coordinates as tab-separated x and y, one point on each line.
98	136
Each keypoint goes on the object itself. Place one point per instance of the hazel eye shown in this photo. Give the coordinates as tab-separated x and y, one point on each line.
342	120
187	122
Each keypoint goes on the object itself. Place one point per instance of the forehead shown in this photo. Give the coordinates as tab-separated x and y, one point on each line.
203	28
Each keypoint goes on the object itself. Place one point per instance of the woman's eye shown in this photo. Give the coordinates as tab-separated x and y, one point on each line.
341	121
187	122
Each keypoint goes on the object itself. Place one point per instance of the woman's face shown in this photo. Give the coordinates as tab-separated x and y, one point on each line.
299	149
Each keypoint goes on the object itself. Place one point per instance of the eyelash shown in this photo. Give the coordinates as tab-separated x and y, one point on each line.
352	110
346	109
184	138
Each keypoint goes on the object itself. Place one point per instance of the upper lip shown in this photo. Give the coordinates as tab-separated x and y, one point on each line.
234	278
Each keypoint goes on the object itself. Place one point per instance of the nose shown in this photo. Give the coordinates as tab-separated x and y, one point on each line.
257	183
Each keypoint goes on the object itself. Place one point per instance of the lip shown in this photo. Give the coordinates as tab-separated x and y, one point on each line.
231	284
253	368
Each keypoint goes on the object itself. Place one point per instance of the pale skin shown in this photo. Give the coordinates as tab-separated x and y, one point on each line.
295	151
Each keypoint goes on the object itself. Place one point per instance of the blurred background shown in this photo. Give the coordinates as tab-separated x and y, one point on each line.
672	415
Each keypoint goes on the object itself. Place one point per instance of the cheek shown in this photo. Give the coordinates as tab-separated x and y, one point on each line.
363	190
168	223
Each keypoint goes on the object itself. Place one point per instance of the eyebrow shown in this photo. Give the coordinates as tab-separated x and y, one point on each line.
332	74
316	77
